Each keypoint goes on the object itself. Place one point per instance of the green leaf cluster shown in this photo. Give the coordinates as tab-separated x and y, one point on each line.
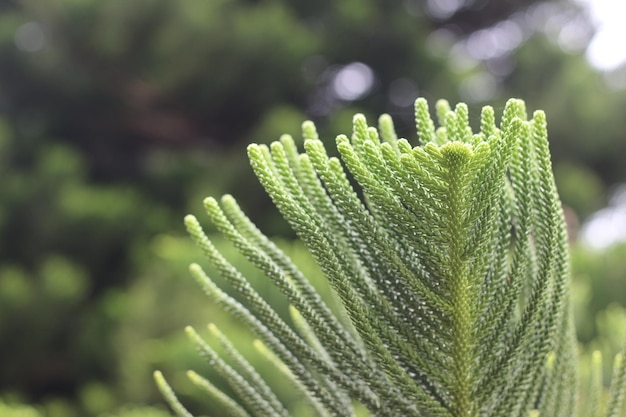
450	259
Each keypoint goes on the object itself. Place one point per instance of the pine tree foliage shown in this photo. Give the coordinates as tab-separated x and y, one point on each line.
450	259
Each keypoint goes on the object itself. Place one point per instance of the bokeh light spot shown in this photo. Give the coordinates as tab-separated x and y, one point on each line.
30	37
607	226
443	9
353	81
605	52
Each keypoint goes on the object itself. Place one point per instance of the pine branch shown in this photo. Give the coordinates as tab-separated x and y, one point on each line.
450	261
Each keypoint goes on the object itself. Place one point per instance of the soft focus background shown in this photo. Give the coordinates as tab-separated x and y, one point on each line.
118	117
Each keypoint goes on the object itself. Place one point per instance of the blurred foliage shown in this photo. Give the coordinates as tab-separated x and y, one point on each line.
118	117
599	307
581	187
611	324
11	409
18	410
599	277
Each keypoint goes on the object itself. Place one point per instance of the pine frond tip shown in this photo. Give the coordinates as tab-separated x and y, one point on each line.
168	393
190	219
195	268
228	199
309	131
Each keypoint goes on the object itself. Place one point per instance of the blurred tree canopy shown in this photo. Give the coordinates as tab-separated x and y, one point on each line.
119	116
118	77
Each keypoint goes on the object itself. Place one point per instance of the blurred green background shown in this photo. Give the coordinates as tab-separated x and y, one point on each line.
118	117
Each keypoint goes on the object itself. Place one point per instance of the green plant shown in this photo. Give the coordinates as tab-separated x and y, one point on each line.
452	268
8	410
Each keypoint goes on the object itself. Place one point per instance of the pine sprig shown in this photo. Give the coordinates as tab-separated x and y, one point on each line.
450	261
223	401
